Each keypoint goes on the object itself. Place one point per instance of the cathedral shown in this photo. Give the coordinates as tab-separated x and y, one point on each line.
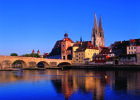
97	38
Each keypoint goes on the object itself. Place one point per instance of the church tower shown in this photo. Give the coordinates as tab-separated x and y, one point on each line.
94	31
101	33
97	38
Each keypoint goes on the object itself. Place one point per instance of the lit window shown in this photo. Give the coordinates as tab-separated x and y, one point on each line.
96	58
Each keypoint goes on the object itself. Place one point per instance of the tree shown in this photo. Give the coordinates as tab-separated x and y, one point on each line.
14	54
31	55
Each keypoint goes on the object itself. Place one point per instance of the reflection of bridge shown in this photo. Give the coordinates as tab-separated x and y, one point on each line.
31	62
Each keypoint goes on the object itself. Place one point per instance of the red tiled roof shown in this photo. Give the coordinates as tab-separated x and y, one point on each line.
38	51
77	44
68	39
105	47
33	50
85	45
105	51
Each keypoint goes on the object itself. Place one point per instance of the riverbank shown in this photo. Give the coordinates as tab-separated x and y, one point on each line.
104	66
96	67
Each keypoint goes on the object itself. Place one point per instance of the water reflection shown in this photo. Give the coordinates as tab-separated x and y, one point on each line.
74	84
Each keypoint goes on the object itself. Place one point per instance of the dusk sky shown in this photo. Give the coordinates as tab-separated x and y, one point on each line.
37	24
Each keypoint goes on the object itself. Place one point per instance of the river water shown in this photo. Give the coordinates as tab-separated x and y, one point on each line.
69	85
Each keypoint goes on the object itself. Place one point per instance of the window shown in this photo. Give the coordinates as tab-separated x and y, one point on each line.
132	52
63	45
100	34
132	48
96	58
99	58
135	52
79	53
129	52
129	48
79	57
79	61
64	57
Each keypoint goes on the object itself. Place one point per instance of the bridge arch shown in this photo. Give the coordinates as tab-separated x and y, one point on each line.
42	64
64	64
19	64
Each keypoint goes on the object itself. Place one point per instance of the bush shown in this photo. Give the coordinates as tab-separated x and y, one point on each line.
14	54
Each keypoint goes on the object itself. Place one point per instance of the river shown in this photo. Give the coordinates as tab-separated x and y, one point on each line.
52	84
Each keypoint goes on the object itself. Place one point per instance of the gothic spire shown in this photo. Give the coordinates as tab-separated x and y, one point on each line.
95	23
100	25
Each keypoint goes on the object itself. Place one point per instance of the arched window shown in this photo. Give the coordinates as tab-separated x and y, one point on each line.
100	34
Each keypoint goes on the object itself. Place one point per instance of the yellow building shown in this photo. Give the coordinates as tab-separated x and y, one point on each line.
83	51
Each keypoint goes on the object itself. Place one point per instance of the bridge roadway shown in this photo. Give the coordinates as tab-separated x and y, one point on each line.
31	62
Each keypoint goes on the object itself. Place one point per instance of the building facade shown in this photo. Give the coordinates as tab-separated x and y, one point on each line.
85	51
119	47
62	49
97	38
133	46
104	55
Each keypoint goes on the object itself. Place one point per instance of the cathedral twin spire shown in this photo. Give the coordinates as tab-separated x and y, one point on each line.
95	23
97	33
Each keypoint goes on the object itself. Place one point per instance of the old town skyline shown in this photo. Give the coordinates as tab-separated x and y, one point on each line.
29	29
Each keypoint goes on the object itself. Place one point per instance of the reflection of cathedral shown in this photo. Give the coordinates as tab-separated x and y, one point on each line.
69	84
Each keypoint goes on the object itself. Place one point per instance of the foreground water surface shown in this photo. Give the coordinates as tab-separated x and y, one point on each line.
69	85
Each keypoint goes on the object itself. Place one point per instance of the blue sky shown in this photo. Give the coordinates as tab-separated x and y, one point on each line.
37	24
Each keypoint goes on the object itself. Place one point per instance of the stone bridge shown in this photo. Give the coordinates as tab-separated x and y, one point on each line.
31	62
